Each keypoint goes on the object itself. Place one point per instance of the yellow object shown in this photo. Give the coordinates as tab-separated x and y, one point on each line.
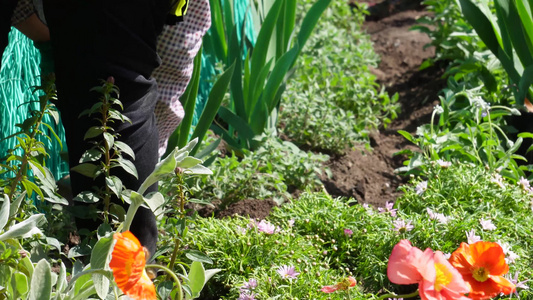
179	9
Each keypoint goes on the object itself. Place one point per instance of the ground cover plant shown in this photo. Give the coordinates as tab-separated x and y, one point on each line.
466	194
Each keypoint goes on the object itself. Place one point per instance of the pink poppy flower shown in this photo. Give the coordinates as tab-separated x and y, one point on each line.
436	277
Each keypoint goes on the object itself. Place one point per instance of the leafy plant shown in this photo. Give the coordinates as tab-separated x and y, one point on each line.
509	35
259	80
269	172
334	99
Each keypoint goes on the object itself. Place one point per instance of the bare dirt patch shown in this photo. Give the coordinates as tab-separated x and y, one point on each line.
369	176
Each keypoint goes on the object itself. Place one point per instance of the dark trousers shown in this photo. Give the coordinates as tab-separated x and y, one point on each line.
95	39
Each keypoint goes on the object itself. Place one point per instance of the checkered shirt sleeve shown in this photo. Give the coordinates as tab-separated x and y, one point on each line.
23	10
177	46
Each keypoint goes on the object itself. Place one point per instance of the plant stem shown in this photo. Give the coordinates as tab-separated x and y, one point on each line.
171	274
174	255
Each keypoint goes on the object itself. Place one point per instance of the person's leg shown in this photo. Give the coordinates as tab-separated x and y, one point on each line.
95	39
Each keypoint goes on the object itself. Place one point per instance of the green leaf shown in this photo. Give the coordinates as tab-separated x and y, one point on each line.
109	139
90	155
196	255
4	212
25	228
213	103
62	278
128	166
100	257
87	197
115	185
268	100
79	250
41	282
86	169
16	204
196	279
125	148
156	203
243	128
19	282
93	132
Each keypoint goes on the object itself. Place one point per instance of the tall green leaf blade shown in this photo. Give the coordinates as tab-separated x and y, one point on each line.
217	34
259	86
242	127
527	21
268	100
290	20
213	103
525	83
190	95
509	16
41	282
259	54
234	56
481	24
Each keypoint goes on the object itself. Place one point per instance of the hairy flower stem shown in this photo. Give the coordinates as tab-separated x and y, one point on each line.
413	294
107	155
173	276
174	255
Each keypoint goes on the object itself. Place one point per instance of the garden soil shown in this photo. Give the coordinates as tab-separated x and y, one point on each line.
369	176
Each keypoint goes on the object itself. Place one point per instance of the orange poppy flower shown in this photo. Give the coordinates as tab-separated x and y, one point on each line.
127	262
482	265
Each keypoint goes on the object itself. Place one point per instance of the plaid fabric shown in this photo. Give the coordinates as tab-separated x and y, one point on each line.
23	10
177	46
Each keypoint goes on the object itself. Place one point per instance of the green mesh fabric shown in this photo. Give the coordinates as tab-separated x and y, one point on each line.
20	72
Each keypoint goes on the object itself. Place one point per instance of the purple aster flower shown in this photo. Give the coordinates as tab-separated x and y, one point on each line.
348	232
287	272
518	285
246	296
388	208
421	187
441	218
249	285
471	237
401	226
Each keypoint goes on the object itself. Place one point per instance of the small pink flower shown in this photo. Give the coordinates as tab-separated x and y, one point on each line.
401	226
388	208
266	227
291	222
348	232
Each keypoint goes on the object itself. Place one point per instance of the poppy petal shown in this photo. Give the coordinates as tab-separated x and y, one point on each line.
462	260
143	290
399	268
493	259
330	288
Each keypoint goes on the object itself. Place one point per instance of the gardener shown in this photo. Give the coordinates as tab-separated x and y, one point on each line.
93	40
